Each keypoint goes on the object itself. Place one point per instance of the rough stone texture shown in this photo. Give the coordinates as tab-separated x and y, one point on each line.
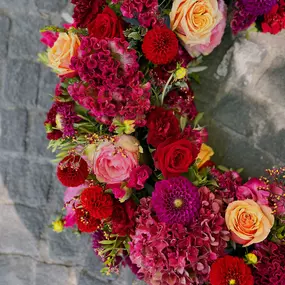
242	94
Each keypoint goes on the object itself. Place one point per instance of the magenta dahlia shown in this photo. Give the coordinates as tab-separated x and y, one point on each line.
176	201
258	7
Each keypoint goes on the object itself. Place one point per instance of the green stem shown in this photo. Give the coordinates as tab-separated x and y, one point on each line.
165	87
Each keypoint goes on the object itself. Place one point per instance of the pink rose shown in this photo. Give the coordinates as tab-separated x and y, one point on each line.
71	203
139	176
121	191
254	189
114	164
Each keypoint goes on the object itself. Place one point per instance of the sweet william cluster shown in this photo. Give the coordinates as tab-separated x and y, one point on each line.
134	157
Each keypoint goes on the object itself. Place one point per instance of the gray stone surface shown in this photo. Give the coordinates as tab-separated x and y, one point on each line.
242	94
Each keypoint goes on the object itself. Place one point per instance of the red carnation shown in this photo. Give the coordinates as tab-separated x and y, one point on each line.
160	45
274	21
106	25
162	124
173	157
85	222
123	218
72	171
230	270
99	204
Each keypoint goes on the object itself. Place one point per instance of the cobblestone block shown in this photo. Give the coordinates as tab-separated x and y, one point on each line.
21	84
36	137
25	37
16	270
28	182
51	5
4	35
15	237
13	126
47	274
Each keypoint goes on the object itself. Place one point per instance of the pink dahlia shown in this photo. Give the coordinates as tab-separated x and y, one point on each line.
176	201
175	255
270	268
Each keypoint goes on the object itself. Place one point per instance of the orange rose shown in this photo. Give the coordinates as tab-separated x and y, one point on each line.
59	56
205	155
248	221
199	24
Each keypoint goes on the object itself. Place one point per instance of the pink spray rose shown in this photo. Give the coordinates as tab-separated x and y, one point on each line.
139	176
114	161
255	190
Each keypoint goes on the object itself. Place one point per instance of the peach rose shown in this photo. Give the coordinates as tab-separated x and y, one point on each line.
59	56
200	24
204	155
248	222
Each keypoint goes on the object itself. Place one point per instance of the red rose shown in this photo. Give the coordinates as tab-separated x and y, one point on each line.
173	157
139	176
123	218
106	25
162	124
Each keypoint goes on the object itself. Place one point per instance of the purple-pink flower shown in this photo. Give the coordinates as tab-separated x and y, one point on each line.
255	190
49	38
139	176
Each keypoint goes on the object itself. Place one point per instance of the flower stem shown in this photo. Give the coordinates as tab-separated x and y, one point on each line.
165	87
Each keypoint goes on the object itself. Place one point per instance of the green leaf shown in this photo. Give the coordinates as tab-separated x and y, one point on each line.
135	36
198	118
53	29
223	168
196	69
183	122
107	242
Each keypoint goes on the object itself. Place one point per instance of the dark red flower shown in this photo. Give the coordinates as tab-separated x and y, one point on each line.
173	157
96	202
85	222
72	171
160	45
162	124
123	218
85	11
230	270
139	176
274	21
106	25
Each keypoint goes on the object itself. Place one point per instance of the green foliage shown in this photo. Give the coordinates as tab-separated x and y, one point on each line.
43	58
278	230
53	29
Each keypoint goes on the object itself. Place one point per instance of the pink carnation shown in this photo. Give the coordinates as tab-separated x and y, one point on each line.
255	190
138	177
113	164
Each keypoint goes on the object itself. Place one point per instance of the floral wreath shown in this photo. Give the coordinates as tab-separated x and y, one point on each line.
132	152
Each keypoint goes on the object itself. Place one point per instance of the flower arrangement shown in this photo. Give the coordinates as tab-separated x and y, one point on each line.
133	155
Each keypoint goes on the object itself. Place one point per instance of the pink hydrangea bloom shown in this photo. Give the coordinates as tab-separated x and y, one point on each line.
255	190
175	255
